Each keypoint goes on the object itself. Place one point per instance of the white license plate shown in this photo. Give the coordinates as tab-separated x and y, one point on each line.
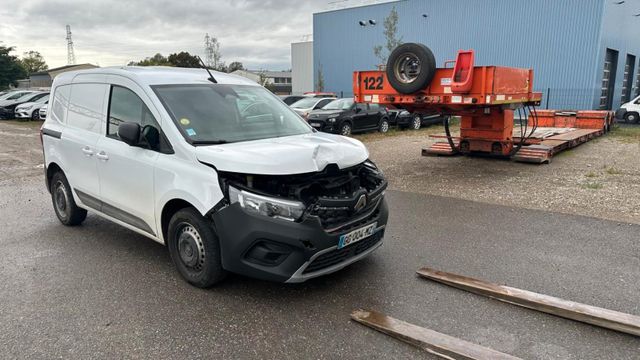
316	125
356	235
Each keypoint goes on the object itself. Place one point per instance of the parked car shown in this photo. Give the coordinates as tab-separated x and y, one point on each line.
306	105
320	94
8	106
31	110
224	174
343	116
403	119
290	99
13	94
43	113
630	112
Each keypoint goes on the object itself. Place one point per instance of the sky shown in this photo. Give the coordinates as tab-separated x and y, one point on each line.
257	33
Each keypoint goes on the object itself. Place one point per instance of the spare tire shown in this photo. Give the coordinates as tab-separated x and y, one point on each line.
410	68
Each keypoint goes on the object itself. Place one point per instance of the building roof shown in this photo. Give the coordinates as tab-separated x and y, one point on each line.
62	68
157	75
269	74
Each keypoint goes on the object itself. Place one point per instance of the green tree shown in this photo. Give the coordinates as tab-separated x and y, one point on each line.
264	81
155	60
320	80
33	62
184	59
10	68
236	65
390	34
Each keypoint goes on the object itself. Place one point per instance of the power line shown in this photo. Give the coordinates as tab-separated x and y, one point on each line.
71	57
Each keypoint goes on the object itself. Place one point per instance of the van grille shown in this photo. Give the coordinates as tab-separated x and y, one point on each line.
338	256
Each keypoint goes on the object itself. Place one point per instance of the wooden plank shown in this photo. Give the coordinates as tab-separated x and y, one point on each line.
609	319
436	343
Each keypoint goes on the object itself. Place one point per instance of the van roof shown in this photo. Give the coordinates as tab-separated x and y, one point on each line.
158	75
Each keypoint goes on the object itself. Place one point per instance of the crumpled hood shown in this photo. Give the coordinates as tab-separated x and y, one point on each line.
289	155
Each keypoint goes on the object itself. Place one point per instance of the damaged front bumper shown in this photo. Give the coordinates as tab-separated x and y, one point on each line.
286	251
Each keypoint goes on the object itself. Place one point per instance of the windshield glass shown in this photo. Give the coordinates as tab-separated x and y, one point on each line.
340	104
43	99
15	96
305	103
216	113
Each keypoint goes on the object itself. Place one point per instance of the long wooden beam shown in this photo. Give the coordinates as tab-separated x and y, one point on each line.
609	319
442	345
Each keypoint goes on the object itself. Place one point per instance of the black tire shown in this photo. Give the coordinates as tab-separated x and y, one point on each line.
63	203
346	129
384	126
35	115
416	122
631	117
195	249
411	68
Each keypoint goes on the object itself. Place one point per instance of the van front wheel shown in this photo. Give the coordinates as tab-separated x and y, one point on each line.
195	249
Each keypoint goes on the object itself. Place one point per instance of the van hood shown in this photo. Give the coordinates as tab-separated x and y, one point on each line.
288	155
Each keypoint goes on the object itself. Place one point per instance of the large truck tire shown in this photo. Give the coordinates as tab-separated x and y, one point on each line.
411	68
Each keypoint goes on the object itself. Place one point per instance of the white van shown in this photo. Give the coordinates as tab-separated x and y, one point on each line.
630	112
213	166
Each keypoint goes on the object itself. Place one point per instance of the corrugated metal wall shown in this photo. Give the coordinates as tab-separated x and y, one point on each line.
562	40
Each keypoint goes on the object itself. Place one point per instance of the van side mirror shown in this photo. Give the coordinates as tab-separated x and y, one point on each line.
129	132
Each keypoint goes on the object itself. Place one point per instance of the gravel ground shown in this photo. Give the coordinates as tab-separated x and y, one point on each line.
600	178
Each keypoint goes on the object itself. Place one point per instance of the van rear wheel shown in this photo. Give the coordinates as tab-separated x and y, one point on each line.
195	249
63	203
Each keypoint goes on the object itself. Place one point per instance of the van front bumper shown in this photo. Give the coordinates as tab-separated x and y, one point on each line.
283	251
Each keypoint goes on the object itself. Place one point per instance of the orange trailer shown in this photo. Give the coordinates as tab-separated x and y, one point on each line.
484	97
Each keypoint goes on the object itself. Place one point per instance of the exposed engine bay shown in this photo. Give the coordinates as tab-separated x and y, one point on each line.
335	195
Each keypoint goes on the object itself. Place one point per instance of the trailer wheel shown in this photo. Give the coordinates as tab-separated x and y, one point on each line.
410	68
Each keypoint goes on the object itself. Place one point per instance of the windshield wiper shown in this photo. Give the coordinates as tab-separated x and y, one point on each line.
209	142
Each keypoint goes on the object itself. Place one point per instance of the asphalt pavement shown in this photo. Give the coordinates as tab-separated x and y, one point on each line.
102	291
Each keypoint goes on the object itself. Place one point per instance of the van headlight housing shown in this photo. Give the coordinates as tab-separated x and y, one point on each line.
267	206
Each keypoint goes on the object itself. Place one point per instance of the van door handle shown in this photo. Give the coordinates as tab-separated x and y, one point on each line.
87	151
102	156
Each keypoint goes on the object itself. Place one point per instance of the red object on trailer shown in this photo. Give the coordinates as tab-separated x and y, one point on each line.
484	97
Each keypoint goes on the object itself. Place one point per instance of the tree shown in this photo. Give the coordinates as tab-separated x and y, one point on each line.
236	65
155	60
390	33
184	59
320	80
11	69
264	81
213	54
33	62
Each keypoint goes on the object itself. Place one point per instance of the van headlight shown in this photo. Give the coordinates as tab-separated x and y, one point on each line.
267	206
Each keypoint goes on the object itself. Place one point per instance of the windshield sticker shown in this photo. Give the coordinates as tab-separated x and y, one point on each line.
190	132
185	121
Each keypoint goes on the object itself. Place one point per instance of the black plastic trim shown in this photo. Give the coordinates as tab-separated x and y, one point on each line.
114	212
52	133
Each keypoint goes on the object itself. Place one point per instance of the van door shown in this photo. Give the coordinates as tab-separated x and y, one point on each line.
127	172
80	108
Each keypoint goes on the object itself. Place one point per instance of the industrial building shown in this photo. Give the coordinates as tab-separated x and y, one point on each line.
585	53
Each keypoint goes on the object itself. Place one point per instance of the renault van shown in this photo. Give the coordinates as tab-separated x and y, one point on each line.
213	166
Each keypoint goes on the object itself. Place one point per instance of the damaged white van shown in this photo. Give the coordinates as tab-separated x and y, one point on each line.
215	167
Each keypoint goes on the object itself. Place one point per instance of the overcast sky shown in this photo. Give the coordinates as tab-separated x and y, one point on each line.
256	32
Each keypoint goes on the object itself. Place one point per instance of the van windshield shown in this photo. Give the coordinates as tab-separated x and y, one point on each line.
217	113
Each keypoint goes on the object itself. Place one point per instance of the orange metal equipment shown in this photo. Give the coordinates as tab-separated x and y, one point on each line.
485	98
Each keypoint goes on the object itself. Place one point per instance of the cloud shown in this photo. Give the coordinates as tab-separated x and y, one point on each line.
255	32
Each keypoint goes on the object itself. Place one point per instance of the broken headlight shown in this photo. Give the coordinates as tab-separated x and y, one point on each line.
267	206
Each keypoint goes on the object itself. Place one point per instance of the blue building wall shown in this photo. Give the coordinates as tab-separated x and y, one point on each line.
563	41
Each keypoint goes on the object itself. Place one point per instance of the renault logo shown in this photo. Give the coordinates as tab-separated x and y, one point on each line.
361	204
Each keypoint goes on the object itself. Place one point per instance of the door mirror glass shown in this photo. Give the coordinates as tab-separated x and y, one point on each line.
129	132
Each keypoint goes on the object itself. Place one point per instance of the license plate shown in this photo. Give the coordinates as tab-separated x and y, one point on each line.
316	125
356	235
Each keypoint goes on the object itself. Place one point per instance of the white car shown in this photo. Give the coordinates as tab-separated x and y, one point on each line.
304	106
43	113
630	112
31	110
215	167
